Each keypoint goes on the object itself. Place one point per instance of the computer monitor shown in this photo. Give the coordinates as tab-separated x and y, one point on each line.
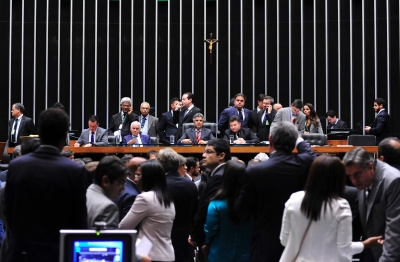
92	245
340	134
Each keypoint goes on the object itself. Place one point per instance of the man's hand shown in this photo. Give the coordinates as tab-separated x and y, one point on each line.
77	145
146	258
202	142
367	128
193	243
132	141
294	119
186	141
88	145
130	110
269	109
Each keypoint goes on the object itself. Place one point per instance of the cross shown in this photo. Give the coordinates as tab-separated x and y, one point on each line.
210	42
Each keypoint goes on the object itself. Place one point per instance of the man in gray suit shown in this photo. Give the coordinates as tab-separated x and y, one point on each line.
109	181
196	134
292	114
148	123
378	186
94	135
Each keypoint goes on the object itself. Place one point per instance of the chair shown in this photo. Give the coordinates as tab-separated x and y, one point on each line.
111	140
361	140
209	125
315	139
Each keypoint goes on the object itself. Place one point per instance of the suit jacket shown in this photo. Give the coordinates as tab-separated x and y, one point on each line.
223	122
381	217
152	123
167	126
339	125
191	134
284	115
26	128
254	116
100	207
211	188
116	120
184	194
50	191
145	139
381	128
187	119
100	139
244	133
315	129
155	222
126	198
262	128
266	188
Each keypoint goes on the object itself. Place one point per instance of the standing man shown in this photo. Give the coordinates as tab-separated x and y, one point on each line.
169	122
239	110
187	112
292	114
19	125
148	123
268	185
241	135
120	123
378	186
334	122
254	112
265	118
381	128
136	138
94	135
45	192
197	134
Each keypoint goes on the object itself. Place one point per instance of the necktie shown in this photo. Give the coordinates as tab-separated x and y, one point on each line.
265	121
240	115
198	137
92	138
367	195
123	118
143	122
14	132
187	111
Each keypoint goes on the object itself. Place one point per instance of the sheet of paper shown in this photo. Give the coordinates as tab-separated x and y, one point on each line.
143	246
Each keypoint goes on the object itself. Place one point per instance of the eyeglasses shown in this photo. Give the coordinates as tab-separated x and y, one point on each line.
208	152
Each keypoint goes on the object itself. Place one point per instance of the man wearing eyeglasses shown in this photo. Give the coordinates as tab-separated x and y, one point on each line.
292	114
109	182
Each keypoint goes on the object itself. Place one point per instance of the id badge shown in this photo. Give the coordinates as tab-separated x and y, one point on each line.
12	132
120	127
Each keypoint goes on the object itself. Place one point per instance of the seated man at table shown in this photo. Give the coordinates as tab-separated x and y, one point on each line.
241	135
94	135
136	138
197	134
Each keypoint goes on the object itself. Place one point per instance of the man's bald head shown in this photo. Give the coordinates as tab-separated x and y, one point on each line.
389	150
133	165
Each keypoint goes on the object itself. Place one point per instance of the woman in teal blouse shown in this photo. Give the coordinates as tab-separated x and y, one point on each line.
227	238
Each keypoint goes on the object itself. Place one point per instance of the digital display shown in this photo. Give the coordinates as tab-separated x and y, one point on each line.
104	251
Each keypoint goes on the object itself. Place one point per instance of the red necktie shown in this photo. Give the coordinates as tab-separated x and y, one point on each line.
198	137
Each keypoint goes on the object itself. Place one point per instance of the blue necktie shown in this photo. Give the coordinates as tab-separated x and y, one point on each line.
143	122
265	118
14	136
92	138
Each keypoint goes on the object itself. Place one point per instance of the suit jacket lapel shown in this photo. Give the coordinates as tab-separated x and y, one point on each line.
20	125
375	187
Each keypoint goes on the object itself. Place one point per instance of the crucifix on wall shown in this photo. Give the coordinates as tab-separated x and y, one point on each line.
210	42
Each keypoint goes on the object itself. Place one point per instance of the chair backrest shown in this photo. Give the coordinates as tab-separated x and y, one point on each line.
361	140
111	139
155	140
209	125
6	156
315	139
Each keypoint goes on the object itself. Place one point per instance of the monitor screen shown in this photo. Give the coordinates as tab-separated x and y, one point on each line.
340	134
92	245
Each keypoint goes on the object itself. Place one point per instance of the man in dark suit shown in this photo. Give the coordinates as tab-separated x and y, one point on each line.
136	138
268	185
378	186
239	110
240	135
94	135
148	123
129	194
381	128
187	112
169	121
265	118
196	134
45	192
19	125
255	111
120	123
215	156
334	122
184	194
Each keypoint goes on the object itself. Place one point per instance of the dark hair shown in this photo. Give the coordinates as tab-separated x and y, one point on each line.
331	113
151	152
221	146
30	145
240	94
58	105
20	107
126	158
191	162
326	181
298	103
173	100
313	115
234	118
231	186
53	126
93	118
204	180
189	96
270	98
112	167
380	101
67	153
284	136
153	179
389	151
261	97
